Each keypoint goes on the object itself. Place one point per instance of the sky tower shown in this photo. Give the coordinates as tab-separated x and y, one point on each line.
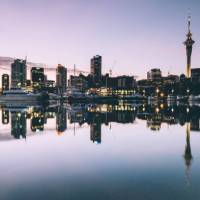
188	43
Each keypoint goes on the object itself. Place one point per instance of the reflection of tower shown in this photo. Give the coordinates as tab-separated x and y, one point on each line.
95	130
188	43
18	124
61	120
188	152
5	117
61	79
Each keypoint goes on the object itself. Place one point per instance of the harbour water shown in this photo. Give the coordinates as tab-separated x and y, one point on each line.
123	151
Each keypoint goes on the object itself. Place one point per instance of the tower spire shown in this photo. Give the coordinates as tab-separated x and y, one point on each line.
189	22
189	43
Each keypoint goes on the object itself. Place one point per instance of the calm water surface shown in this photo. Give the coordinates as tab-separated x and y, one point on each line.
114	152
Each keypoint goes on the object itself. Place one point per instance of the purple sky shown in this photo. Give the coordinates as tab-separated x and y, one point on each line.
137	34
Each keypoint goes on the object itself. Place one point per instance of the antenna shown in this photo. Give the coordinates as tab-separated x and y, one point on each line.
25	58
189	20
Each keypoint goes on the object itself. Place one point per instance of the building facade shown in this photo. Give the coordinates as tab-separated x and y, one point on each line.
5	82
154	74
96	66
195	75
18	74
37	77
79	82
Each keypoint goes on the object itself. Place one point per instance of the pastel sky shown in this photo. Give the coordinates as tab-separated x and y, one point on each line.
136	35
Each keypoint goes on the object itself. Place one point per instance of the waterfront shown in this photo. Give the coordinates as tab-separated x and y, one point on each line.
124	151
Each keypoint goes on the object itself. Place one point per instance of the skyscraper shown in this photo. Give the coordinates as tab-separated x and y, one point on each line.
61	79
95	68
5	82
37	77
188	43
18	74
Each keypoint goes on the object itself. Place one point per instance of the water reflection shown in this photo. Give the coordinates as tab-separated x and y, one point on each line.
188	153
20	123
95	115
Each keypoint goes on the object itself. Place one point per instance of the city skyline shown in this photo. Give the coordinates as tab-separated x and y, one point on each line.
123	33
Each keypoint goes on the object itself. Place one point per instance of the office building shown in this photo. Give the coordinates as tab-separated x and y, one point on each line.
37	77
79	82
96	65
195	75
154	74
18	74
5	82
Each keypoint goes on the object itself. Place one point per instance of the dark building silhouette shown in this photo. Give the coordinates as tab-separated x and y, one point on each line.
5	82
154	122
154	74
189	43
18	74
95	68
79	82
195	75
18	124
5	117
61	120
61	79
37	77
37	121
50	86
121	85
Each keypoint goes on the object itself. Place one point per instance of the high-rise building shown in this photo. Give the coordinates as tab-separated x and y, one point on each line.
195	75
37	77
95	67
61	79
18	74
189	43
5	82
154	74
